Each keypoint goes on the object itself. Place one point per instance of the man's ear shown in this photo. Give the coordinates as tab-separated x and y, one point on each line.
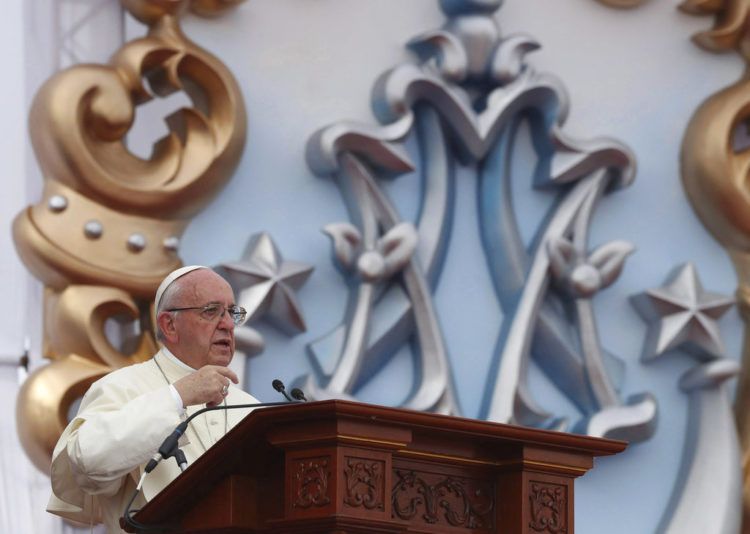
165	322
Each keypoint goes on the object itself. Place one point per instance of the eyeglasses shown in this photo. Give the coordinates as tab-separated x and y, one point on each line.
210	312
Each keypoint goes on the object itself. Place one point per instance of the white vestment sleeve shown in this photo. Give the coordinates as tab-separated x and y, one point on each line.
122	420
111	435
177	400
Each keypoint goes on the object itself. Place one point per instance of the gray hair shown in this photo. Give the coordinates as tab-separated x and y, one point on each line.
162	304
168	298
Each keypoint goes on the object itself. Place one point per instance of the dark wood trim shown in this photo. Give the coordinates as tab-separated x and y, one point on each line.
344	467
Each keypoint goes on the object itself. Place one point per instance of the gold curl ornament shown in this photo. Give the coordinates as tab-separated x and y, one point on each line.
81	352
107	228
728	30
715	171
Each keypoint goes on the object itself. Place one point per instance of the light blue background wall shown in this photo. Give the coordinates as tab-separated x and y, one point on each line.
632	75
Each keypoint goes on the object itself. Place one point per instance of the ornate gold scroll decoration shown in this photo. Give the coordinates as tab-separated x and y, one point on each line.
728	30
714	170
107	228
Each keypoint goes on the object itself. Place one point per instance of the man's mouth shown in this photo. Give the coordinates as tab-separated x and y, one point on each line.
223	343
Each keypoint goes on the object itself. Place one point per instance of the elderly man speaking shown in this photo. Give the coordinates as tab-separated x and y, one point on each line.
125	416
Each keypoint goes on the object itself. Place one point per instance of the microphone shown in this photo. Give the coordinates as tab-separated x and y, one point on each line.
299	395
278	385
169	447
181	460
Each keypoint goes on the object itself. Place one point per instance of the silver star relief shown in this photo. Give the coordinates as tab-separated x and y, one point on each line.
681	315
266	284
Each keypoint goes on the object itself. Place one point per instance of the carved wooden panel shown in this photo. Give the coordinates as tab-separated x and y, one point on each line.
443	500
365	483
548	507
311	482
345	467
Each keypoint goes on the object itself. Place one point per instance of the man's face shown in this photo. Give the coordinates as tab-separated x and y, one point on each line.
200	341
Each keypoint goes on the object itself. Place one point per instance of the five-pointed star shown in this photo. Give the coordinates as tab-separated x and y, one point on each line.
266	284
681	315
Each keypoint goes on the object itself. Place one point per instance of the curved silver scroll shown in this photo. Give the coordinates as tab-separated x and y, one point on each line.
464	103
708	493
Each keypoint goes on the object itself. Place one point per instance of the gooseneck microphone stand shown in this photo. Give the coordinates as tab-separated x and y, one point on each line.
170	449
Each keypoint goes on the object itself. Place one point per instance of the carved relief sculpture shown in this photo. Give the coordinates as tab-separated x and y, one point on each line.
714	169
311	483
365	483
549	504
465	99
107	228
443	500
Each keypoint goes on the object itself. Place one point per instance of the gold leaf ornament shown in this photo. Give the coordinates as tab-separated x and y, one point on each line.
713	174
106	230
44	401
715	168
134	210
82	353
80	117
148	11
729	24
84	310
211	8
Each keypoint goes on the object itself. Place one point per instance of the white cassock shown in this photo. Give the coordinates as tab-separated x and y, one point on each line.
123	419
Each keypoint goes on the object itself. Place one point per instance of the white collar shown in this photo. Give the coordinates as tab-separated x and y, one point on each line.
174	359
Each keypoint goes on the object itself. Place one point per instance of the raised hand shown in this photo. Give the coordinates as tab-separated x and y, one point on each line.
207	385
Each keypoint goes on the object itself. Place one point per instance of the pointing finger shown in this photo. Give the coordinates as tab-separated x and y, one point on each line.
225	371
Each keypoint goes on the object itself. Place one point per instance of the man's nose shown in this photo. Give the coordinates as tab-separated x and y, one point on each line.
226	321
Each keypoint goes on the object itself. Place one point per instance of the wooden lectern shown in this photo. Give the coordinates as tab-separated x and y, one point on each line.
348	468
